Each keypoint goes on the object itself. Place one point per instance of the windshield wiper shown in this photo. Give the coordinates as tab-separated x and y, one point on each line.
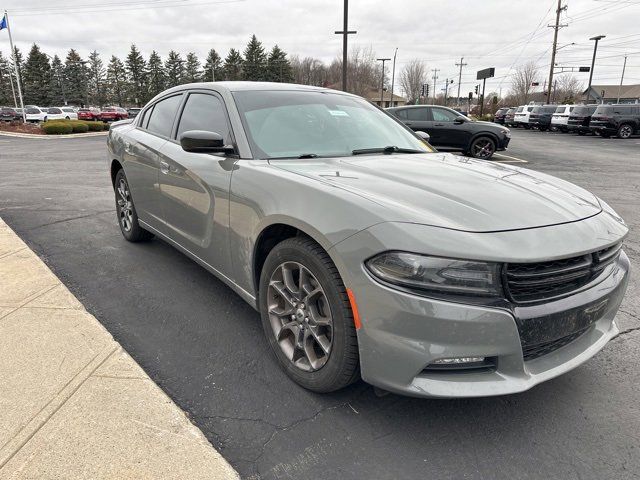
386	150
303	155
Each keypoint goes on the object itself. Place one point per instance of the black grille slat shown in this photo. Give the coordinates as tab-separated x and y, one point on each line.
536	351
533	282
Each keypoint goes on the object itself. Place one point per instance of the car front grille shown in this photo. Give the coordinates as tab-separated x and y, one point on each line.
534	282
535	351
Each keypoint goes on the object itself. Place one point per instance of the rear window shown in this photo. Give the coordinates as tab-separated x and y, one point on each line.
560	109
519	109
108	109
530	109
83	110
583	110
549	109
32	111
54	110
604	110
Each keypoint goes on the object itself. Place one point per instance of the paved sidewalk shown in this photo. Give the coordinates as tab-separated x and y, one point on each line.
73	403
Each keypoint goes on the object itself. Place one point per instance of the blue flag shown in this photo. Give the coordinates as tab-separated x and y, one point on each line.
3	22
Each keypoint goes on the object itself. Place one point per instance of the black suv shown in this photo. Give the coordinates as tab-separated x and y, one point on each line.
622	120
540	116
501	114
450	130
579	119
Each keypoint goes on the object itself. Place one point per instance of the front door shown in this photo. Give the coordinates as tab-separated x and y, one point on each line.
194	187
450	134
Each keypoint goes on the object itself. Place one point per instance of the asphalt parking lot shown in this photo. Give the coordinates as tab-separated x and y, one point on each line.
204	346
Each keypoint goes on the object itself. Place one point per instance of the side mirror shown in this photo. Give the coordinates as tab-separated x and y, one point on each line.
459	120
201	141
423	135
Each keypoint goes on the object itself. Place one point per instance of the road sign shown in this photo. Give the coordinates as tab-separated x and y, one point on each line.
486	73
584	69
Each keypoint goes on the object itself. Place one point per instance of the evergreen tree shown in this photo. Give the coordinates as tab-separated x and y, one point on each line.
137	72
212	67
97	93
255	61
36	78
174	69
279	67
116	81
6	78
75	78
233	65
192	68
58	96
156	75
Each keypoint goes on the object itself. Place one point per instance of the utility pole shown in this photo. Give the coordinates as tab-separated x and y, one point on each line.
435	77
555	27
593	62
460	78
393	74
624	66
382	80
15	64
345	32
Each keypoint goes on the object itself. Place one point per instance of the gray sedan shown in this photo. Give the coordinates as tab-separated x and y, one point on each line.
367	253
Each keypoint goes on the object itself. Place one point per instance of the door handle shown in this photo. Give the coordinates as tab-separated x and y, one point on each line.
164	167
408	123
439	125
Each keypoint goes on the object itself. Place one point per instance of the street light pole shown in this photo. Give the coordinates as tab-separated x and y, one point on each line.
593	61
345	32
382	80
393	74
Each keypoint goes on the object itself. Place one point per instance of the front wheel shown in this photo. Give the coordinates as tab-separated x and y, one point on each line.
126	211
483	148
307	317
625	131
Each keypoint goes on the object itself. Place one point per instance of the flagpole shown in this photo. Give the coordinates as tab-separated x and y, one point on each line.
15	64
13	90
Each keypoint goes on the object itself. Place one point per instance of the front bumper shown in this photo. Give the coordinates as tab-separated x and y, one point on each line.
402	334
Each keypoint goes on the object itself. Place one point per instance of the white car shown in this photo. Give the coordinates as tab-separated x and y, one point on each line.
62	113
521	117
36	114
560	118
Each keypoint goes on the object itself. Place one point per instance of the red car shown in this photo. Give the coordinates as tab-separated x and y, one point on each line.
90	114
113	114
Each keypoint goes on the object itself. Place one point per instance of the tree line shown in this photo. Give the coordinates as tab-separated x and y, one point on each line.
48	80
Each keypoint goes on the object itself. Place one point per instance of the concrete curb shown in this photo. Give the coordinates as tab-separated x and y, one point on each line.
74	404
51	137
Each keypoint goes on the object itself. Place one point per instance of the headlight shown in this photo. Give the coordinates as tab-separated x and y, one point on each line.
507	133
435	274
607	208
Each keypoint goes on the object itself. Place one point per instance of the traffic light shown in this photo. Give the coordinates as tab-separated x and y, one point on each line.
426	89
477	86
422	90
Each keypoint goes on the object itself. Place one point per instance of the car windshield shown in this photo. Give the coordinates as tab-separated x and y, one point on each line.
293	124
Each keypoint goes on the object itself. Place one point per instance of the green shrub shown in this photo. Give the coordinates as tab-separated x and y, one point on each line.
79	126
105	126
95	126
57	128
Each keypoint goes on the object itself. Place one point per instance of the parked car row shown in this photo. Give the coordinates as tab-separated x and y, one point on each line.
621	120
35	113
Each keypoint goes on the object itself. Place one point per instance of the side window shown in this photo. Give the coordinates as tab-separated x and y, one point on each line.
401	114
418	114
442	115
204	112
162	116
142	118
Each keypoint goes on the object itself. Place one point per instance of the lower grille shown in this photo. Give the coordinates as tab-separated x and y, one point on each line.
533	282
535	351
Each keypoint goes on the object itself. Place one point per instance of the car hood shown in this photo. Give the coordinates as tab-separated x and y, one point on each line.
450	191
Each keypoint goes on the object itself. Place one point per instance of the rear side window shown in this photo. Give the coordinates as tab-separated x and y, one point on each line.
401	114
55	110
204	112
418	114
32	111
162	116
622	109
519	109
604	110
530	109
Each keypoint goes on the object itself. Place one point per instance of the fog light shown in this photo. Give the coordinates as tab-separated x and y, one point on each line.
458	360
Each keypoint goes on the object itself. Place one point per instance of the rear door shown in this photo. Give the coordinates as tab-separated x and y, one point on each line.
142	162
419	119
194	187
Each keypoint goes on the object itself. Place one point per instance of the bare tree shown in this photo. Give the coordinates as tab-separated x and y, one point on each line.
567	89
412	77
362	70
521	81
309	71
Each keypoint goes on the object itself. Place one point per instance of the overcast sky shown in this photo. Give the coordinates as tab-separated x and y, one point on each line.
488	33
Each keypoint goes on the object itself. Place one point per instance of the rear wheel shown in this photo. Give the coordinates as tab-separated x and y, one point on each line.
126	211
307	317
483	148
625	131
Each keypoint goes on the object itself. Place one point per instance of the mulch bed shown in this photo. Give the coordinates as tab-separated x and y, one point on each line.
19	127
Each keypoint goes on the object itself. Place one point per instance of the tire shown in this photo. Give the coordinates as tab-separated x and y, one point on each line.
482	147
625	131
297	340
527	127
581	133
128	218
542	128
67	118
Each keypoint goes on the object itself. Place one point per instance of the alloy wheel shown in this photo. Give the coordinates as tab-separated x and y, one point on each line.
625	131
482	148
300	316
125	206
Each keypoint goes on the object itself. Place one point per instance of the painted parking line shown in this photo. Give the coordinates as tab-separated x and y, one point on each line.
509	158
